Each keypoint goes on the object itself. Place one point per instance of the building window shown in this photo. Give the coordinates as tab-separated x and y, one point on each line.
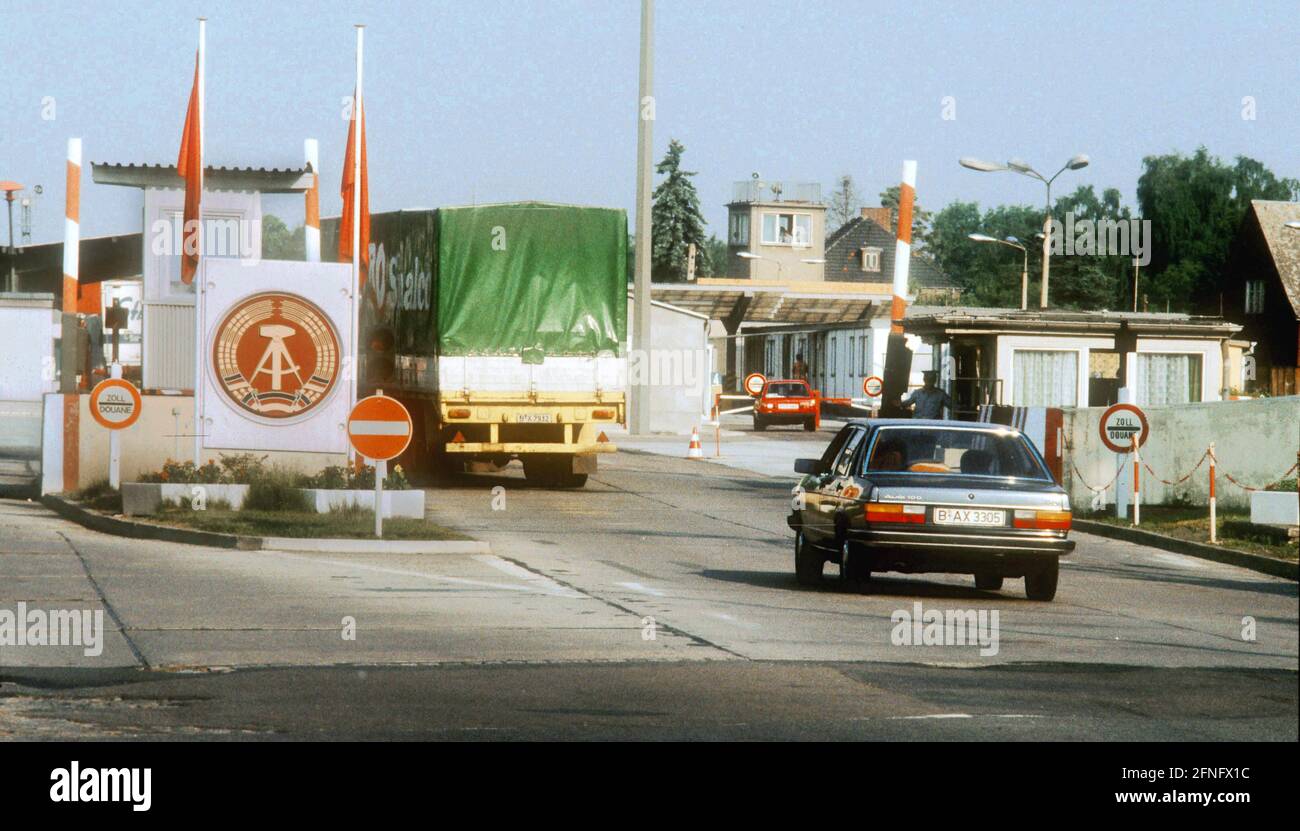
1254	297
1169	379
1045	378
739	233
787	229
871	260
866	356
832	355
853	355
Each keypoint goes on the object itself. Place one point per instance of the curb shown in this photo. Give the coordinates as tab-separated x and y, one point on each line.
185	536
1204	551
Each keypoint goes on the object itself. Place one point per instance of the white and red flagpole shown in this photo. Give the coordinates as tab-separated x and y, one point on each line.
72	228
311	222
199	279
358	142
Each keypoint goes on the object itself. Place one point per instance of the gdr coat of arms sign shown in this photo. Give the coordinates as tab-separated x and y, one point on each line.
276	355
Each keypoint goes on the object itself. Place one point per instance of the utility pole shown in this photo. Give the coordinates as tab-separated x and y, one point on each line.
645	113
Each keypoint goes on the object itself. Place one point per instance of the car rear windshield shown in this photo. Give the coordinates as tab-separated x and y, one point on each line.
955	451
786	391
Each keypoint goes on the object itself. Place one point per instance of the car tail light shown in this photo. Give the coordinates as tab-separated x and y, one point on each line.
602	413
458	412
1045	520
894	512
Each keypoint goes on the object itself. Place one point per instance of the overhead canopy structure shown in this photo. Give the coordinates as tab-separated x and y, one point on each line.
258	179
736	301
940	322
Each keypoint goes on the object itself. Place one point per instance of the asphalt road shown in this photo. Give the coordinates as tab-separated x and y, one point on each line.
659	602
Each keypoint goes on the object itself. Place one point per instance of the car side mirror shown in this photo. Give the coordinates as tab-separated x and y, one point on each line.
810	466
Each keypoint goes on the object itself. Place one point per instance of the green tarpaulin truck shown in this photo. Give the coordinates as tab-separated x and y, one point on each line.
501	327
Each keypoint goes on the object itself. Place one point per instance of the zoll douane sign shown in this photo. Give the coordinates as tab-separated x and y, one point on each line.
872	386
115	404
754	382
1120	424
379	427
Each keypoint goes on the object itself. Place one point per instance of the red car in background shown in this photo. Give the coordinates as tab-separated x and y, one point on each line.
786	402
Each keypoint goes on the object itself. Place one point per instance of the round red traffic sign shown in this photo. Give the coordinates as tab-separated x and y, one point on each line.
872	386
1120	423
379	428
754	382
115	403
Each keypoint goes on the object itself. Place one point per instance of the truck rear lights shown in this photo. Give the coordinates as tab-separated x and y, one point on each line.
458	412
607	414
1042	520
894	512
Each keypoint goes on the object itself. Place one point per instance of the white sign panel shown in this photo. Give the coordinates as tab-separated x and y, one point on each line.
276	355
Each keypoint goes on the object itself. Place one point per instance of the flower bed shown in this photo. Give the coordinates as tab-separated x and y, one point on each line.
245	478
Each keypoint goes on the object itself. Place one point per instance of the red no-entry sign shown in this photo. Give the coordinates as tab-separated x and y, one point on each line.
379	427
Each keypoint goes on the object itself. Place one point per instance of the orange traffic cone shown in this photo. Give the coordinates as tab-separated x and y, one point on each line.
695	451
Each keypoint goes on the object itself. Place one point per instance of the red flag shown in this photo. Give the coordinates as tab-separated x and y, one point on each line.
190	165
345	190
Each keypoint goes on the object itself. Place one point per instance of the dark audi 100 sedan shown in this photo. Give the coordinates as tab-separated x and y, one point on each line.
920	496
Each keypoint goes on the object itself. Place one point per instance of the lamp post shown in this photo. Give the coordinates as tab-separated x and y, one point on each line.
1023	168
1024	271
10	188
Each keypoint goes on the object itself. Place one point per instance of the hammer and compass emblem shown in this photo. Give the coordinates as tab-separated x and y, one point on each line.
276	355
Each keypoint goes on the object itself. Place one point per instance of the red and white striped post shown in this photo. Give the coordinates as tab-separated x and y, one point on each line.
1214	525
1137	492
903	248
72	228
311	222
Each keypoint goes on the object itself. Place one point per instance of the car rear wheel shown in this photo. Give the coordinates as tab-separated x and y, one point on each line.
759	424
808	561
810	424
1041	584
988	582
852	569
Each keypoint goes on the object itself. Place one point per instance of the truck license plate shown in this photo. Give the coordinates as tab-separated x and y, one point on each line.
968	516
536	418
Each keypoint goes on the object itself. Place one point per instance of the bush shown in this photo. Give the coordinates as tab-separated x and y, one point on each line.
339	477
1284	485
99	496
276	490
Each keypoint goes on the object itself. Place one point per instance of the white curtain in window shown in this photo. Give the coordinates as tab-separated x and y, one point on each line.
1169	379
1045	378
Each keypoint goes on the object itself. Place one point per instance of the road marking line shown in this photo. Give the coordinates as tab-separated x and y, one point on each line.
637	587
531	577
405	573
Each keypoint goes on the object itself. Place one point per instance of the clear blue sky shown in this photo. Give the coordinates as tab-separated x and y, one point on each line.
490	101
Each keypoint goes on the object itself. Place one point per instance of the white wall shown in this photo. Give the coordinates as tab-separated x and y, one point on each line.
1255	442
680	390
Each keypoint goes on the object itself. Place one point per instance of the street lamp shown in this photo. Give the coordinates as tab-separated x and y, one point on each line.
1012	242
1024	169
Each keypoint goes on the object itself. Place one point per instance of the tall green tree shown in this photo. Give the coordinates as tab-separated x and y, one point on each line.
280	243
718	254
676	221
1196	204
990	274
